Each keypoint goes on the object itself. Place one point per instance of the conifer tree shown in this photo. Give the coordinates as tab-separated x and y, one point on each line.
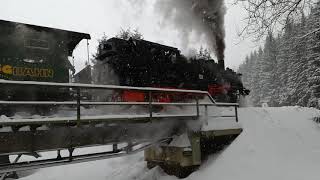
286	71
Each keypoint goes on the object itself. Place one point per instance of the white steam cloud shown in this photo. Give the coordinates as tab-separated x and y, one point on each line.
200	17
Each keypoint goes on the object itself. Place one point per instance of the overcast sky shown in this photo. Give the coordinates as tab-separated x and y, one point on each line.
97	17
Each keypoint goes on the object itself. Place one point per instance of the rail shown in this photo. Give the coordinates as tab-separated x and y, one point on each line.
149	90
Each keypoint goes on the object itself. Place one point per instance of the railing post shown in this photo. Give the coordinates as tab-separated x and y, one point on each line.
197	102
71	150
150	103
129	147
206	113
115	147
236	112
78	106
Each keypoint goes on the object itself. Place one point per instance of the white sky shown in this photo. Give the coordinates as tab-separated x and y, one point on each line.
97	17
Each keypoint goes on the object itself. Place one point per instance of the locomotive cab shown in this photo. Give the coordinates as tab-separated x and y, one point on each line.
35	53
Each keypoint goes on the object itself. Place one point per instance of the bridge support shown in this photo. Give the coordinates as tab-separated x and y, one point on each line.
181	161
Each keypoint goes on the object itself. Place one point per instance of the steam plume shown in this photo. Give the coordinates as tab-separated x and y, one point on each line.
203	17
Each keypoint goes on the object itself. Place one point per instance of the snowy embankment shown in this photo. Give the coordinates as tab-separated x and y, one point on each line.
277	143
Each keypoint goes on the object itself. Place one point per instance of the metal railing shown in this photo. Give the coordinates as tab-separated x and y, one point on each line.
148	90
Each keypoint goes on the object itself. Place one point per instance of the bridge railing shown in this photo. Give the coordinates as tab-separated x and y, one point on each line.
66	138
78	88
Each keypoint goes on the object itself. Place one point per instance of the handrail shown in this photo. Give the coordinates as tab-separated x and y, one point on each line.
80	103
96	86
111	103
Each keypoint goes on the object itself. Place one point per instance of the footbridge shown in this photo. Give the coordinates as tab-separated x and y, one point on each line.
83	121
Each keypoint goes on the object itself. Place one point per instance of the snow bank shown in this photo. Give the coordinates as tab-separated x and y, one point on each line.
277	143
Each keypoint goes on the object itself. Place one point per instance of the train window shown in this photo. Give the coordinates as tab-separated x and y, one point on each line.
36	44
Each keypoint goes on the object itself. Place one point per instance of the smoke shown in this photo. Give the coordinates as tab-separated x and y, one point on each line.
205	18
136	6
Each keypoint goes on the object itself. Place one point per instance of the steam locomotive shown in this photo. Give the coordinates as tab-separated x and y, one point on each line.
36	53
141	63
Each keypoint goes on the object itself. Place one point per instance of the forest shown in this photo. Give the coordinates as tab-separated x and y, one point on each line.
286	70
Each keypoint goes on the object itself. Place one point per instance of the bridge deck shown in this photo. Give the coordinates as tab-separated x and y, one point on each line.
66	132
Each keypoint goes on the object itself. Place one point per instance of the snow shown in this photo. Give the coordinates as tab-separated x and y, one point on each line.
180	141
4	118
5	129
277	143
220	124
43	128
25	128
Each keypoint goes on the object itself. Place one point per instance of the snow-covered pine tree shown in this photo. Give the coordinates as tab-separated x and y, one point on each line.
257	76
128	33
268	65
313	56
298	83
283	63
203	53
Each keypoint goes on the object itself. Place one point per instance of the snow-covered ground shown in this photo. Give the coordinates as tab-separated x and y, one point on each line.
277	143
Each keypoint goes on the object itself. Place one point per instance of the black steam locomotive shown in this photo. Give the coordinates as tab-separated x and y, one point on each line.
142	63
36	53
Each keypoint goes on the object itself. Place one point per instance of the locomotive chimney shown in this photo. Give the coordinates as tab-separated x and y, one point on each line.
220	51
221	63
